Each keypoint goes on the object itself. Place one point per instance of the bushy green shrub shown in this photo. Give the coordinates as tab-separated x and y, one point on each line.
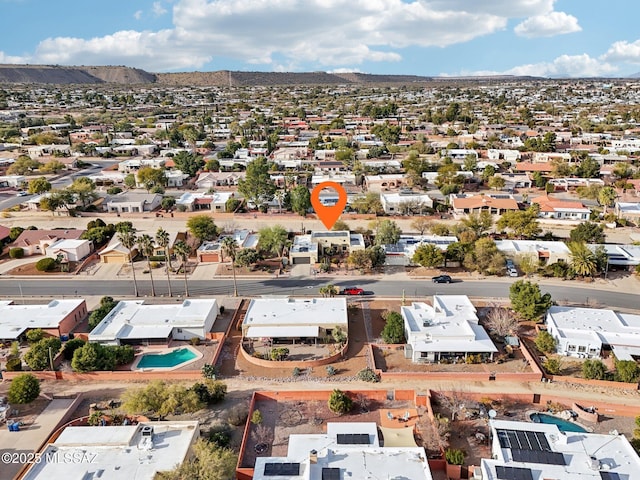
14	365
71	346
24	388
256	417
46	264
454	456
368	375
16	252
339	402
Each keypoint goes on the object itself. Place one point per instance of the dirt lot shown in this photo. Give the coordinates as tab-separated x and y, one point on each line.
30	269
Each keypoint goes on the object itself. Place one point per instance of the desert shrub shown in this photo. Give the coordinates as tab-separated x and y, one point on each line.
296	372
46	264
195	341
594	370
210	391
339	402
256	417
545	342
35	335
331	371
209	371
279	353
237	415
16	252
14	365
552	366
220	437
454	456
368	375
24	388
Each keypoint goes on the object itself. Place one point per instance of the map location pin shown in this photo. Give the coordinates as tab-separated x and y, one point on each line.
329	215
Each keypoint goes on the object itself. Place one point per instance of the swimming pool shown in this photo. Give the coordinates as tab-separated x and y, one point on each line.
170	359
563	425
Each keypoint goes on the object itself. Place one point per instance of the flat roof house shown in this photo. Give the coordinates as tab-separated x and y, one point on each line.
56	318
287	319
447	330
212	251
402	252
583	332
134	202
347	450
537	451
309	249
405	202
545	251
135	322
628	210
113	452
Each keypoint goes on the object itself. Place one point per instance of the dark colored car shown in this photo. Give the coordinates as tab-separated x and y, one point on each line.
352	291
441	279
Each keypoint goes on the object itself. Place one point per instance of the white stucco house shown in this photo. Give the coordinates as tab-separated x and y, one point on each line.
584	332
405	202
448	330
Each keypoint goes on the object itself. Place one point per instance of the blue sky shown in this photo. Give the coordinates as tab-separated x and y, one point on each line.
574	38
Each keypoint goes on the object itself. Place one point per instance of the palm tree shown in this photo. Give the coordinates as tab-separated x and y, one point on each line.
182	250
230	249
127	237
146	247
279	196
607	197
162	240
583	261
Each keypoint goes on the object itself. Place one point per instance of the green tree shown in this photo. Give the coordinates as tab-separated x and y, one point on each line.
523	223
46	264
168	203
147	247
202	227
341	225
159	399
428	255
24	389
626	371
247	257
208	462
39	185
128	239
106	305
583	261
552	366
387	232
454	456
300	200
257	186
130	180
485	257
527	299
545	342
369	203
588	168
23	165
162	240
273	239
339	402
593	369
188	163
35	335
479	223
230	250
182	251
607	197
421	225
393	331
359	259
496	183
151	177
84	189
39	355
588	232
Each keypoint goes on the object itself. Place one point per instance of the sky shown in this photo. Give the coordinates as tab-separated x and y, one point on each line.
546	38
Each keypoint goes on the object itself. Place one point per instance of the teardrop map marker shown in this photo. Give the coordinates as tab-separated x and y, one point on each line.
329	215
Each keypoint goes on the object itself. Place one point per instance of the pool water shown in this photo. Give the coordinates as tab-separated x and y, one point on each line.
166	360
563	425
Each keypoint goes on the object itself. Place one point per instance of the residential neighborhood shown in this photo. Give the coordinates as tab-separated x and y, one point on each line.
171	299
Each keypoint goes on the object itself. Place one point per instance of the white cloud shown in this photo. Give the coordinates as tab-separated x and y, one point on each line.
624	51
137	15
158	9
12	59
562	66
345	70
548	25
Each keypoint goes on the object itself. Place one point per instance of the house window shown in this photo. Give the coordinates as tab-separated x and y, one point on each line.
582	349
571	348
593	351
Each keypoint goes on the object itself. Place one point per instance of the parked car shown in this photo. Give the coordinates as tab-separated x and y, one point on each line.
352	291
512	272
441	279
22	193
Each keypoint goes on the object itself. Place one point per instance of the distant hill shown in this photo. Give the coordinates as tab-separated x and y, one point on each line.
56	74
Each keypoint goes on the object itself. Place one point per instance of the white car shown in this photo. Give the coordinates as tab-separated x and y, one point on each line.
22	193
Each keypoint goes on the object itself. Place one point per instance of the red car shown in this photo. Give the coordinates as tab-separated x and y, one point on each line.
352	291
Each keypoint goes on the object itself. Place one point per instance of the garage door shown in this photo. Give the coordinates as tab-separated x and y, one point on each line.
301	260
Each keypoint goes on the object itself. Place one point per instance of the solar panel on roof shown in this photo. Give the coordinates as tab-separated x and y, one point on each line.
537	456
281	469
330	474
534	443
544	444
353	439
503	439
513	473
609	476
522	440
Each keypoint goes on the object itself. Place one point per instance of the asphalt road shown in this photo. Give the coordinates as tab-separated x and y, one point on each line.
17	288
